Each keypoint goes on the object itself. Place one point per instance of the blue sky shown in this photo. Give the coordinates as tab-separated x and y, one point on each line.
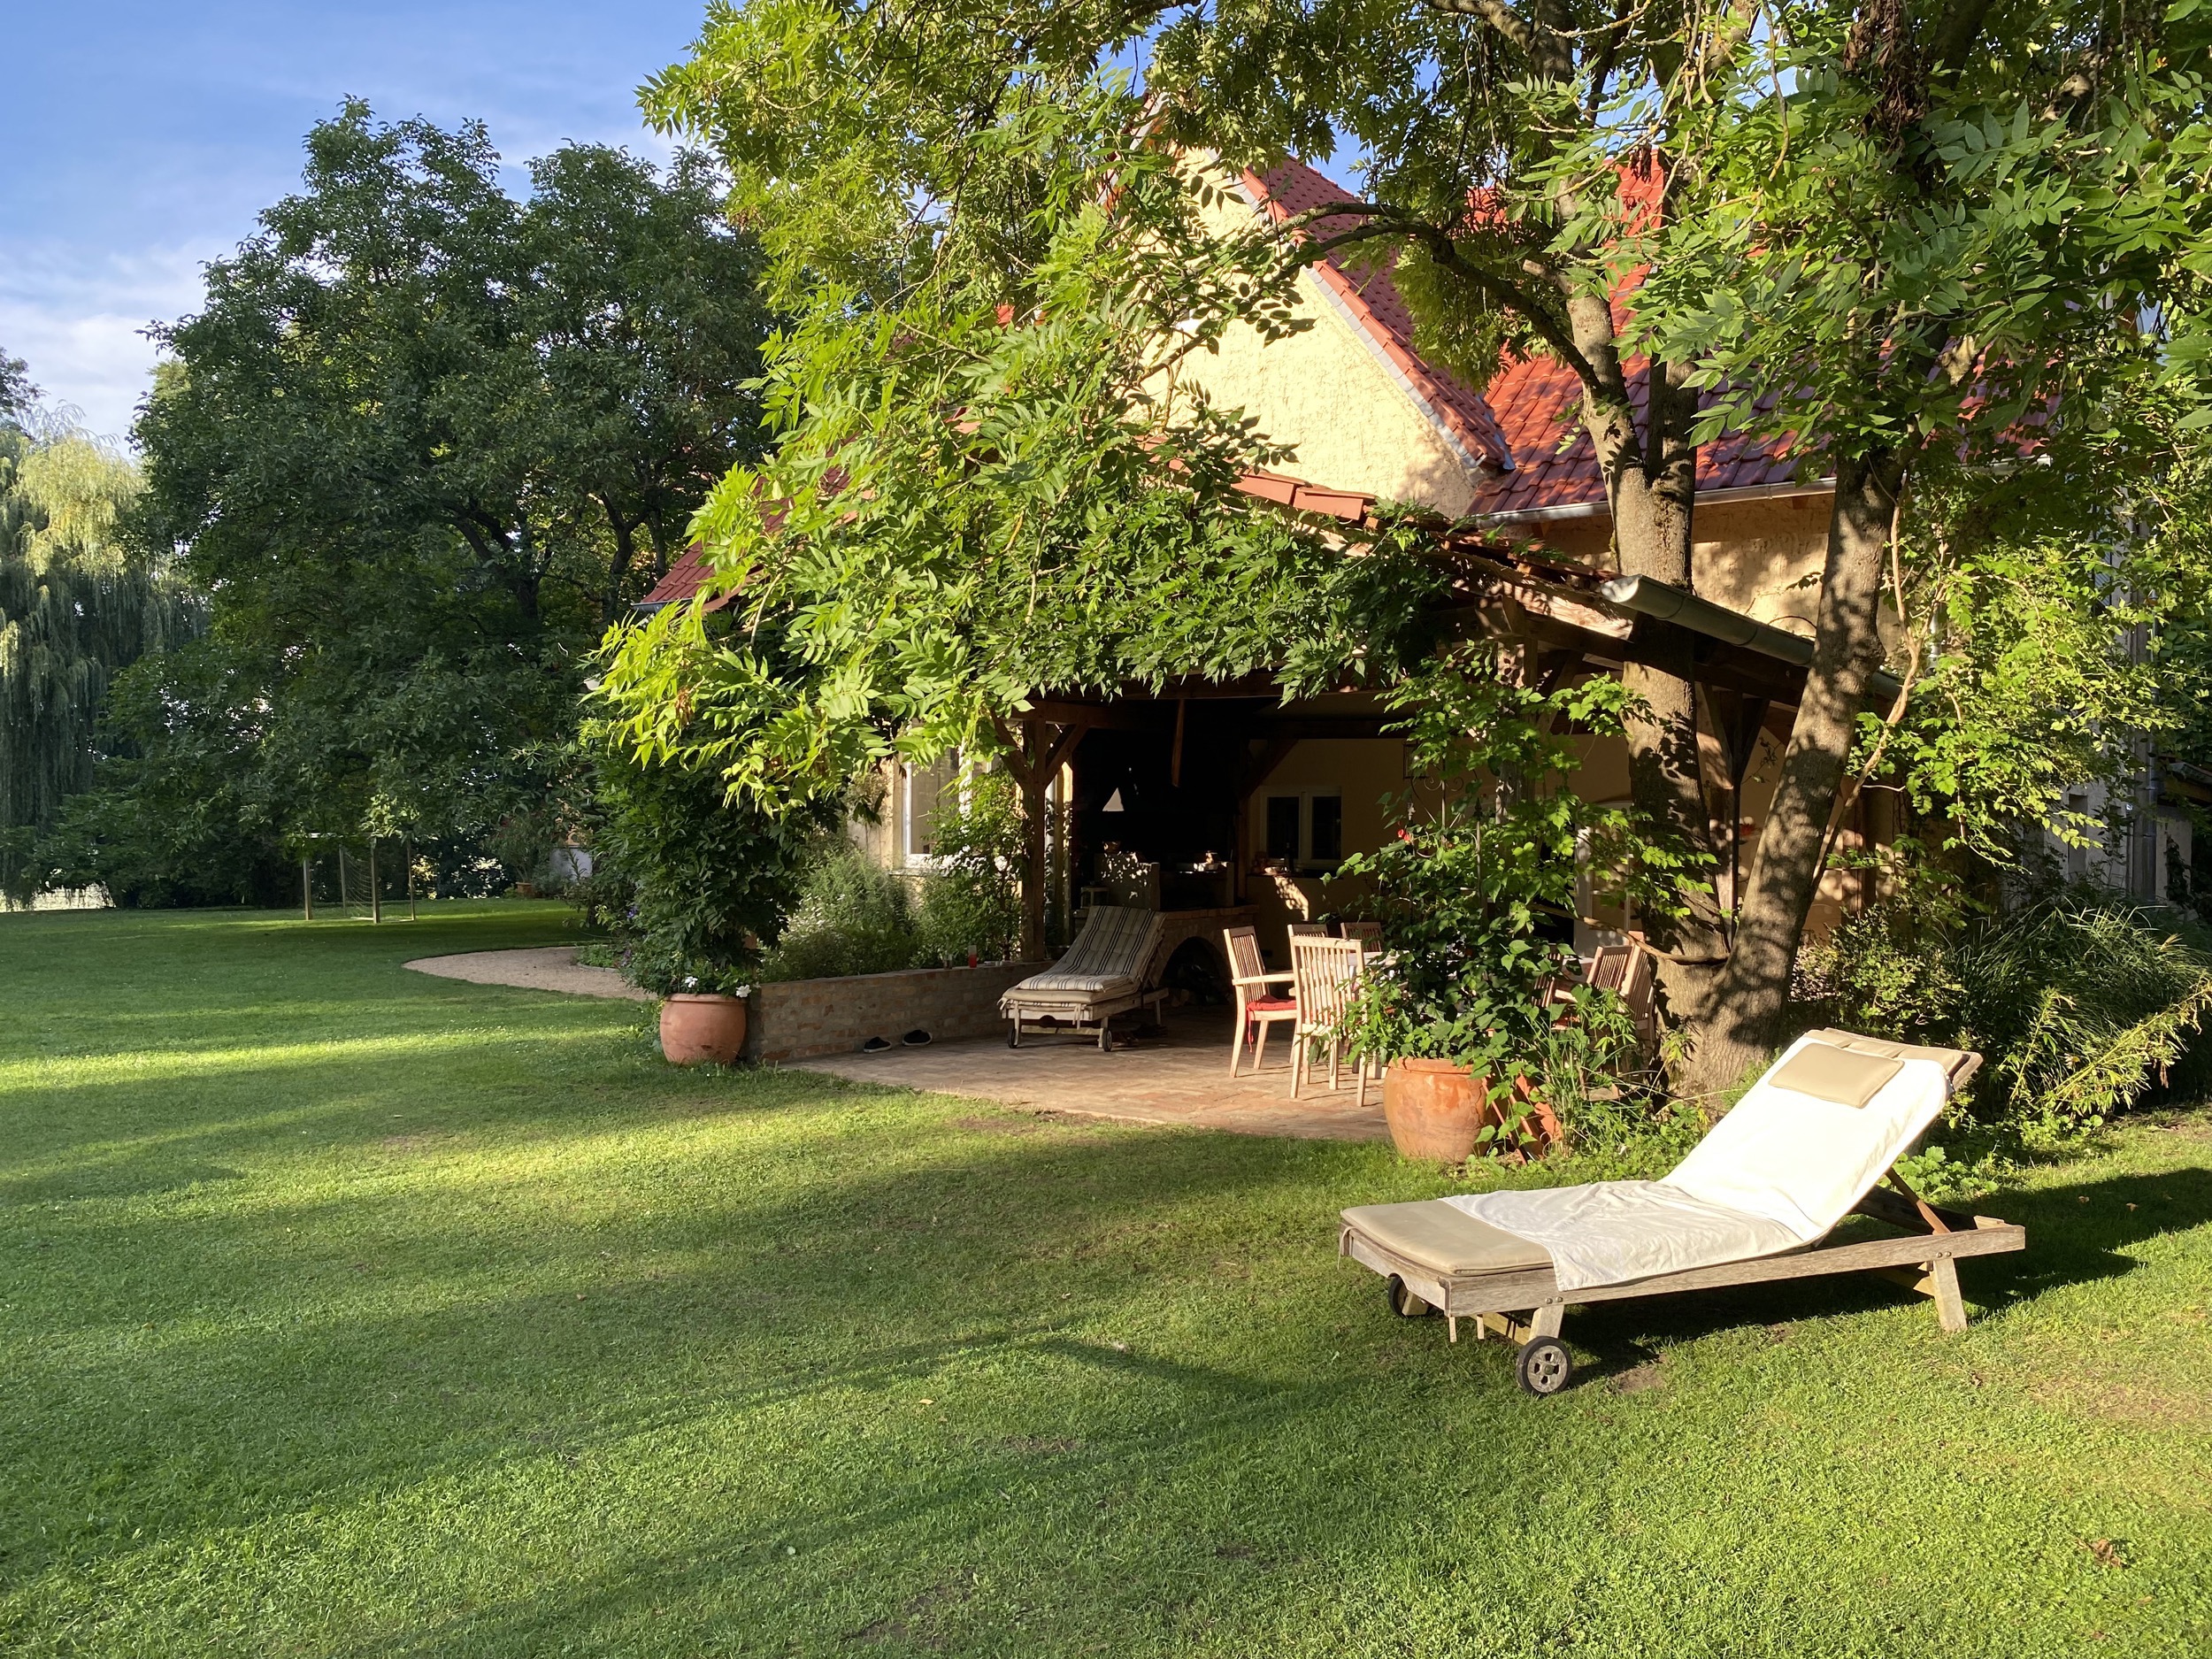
142	139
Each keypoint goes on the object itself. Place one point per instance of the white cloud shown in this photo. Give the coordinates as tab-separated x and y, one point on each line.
77	316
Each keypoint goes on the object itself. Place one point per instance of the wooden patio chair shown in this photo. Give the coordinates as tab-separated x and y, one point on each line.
1309	930
1368	934
1258	1004
1324	972
1753	1203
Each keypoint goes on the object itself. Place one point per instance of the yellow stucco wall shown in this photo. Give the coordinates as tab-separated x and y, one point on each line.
1326	394
1761	557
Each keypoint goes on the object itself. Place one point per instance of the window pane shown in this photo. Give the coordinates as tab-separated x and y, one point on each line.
1328	828
1282	826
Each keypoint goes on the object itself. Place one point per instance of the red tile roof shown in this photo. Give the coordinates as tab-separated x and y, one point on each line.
1538	402
1514	428
684	579
1359	279
1526	422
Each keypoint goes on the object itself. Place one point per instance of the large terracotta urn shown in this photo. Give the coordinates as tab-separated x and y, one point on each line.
1435	1109
696	1028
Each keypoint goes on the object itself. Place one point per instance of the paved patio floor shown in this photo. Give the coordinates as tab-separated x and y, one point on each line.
1177	1075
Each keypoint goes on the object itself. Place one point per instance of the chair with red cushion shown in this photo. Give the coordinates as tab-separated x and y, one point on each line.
1258	1004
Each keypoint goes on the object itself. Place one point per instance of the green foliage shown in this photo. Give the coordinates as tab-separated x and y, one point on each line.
966	506
77	607
2079	1002
422	442
692	884
1475	888
852	917
971	900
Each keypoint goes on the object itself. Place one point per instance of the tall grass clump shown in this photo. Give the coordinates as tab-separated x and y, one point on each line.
2080	1001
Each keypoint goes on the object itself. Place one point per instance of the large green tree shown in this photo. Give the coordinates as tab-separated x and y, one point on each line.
1939	233
992	479
1904	238
423	441
1503	147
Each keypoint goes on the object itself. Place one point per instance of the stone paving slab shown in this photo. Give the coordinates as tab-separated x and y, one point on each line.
1180	1075
548	968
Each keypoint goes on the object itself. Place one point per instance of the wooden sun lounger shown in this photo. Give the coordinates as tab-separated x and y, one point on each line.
1521	1302
1112	968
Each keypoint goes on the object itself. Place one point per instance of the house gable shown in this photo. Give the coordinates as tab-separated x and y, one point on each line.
1361	410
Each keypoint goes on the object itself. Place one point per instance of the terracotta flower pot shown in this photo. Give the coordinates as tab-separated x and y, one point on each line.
1435	1109
695	1028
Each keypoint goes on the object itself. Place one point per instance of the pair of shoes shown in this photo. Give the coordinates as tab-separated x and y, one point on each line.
915	1039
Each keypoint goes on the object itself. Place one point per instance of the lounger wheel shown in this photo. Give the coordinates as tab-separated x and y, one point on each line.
1543	1365
1404	1302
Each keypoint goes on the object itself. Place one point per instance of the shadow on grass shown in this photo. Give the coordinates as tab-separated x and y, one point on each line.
2077	1235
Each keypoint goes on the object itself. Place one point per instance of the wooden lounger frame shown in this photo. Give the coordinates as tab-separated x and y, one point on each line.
1097	1021
1524	1305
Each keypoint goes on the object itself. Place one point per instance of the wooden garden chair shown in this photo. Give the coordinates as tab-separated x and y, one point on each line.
1258	1004
1323	974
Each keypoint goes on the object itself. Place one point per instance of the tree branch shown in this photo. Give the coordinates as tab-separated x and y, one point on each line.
1496	15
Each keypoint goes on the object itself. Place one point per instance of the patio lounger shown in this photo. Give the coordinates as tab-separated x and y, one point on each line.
1805	1147
1107	970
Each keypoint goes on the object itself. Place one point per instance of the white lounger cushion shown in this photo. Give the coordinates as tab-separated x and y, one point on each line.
1779	1170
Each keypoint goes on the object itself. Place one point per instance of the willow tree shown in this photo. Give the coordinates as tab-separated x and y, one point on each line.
77	605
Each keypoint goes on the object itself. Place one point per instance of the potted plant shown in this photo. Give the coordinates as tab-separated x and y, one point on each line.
704	1021
1476	1011
689	884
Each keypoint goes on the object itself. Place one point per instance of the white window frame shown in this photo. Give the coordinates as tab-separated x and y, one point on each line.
963	778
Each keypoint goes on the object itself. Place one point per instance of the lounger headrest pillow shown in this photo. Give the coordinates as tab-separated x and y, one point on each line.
1829	1073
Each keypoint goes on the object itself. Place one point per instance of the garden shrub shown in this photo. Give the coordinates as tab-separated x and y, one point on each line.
852	917
971	901
1476	891
692	886
2079	1000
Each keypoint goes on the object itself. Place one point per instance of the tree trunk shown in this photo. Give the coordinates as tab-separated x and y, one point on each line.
1753	989
1033	757
1654	516
623	530
1651	486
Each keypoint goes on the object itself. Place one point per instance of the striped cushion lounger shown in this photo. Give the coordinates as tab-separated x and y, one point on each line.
1805	1147
1107	970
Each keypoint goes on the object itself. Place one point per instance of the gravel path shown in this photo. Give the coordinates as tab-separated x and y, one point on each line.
553	968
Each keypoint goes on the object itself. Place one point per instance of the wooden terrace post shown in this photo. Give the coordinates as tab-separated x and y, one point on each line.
1034	762
307	888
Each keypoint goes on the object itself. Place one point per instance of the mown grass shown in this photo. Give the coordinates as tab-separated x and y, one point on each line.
345	1312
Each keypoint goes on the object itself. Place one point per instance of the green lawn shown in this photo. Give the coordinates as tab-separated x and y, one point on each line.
347	1311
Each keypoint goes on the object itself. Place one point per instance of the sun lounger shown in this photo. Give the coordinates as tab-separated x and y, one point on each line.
1807	1146
1107	970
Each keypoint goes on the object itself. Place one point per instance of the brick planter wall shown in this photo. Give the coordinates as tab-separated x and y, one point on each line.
797	1018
